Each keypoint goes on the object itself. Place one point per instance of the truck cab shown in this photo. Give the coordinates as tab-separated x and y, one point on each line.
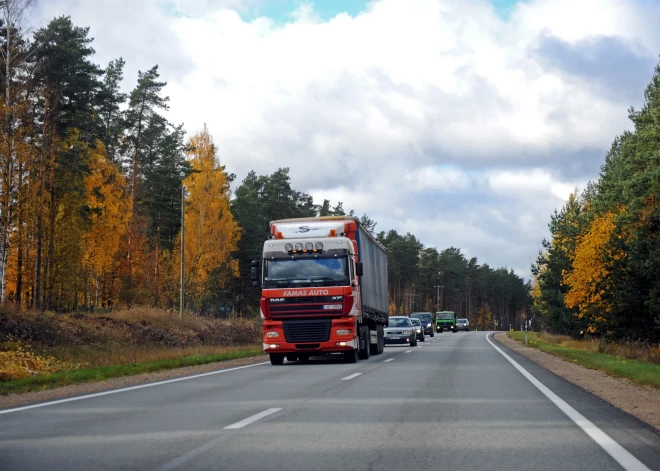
324	290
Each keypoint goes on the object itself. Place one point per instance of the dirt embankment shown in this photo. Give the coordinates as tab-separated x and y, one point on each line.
642	402
137	326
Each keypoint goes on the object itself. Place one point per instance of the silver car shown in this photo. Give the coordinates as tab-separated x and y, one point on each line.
463	324
400	330
419	330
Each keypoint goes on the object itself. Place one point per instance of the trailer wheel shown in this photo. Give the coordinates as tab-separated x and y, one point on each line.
381	339
276	359
351	357
374	349
364	343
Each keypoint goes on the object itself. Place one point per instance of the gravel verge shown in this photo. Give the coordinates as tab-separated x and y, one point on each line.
642	402
12	400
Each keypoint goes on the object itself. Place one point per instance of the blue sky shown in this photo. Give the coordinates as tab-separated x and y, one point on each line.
280	10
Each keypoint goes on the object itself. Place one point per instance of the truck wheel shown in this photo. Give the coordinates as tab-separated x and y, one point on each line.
292	358
364	343
381	339
276	359
351	357
373	348
303	358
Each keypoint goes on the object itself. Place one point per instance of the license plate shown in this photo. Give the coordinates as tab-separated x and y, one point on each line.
394	337
332	307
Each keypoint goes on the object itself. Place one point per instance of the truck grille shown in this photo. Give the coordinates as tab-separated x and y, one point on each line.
307	330
312	305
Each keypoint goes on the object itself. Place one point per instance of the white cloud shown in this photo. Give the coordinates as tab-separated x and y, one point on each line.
435	117
534	181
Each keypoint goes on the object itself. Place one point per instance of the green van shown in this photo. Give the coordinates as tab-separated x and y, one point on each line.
445	320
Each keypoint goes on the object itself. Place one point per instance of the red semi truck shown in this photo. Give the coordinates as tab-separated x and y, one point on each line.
324	289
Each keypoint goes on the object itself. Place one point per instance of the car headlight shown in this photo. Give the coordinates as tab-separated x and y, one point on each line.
407	332
428	325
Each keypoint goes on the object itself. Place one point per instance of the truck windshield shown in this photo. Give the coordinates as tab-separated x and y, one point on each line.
442	315
306	272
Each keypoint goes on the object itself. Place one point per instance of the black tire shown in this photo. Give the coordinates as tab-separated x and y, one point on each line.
276	359
292	357
423	339
364	344
467	330
432	334
374	349
303	358
351	357
381	339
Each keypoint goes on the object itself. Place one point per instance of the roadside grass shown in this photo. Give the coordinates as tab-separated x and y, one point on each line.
114	354
583	353
88	375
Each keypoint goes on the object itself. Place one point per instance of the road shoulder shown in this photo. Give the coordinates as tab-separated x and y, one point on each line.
642	402
13	400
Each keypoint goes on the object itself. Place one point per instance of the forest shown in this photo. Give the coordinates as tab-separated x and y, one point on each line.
92	184
598	273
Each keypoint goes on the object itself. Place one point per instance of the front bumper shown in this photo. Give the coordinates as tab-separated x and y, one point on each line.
399	340
331	346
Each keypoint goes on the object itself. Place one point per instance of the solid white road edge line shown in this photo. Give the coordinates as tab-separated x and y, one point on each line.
253	418
131	388
616	451
388	360
354	375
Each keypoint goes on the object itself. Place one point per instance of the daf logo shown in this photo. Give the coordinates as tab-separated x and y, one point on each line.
337	298
305	229
276	300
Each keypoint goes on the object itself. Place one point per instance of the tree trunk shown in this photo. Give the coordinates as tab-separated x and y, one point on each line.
19	232
134	194
49	278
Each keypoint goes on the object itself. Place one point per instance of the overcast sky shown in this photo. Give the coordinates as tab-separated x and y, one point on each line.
464	122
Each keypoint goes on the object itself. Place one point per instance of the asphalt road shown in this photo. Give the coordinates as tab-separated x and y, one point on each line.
455	402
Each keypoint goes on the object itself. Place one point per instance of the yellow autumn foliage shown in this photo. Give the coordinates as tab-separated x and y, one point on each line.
211	233
20	363
110	210
591	263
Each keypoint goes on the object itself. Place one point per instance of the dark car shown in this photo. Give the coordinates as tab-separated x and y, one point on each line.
400	330
463	324
426	318
418	328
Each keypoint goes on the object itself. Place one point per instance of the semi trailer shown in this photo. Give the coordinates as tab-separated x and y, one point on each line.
324	289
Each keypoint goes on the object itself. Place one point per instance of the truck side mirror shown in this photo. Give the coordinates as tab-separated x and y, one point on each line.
256	282
359	269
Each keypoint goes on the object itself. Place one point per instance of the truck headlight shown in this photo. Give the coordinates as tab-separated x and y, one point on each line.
270	335
344	332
